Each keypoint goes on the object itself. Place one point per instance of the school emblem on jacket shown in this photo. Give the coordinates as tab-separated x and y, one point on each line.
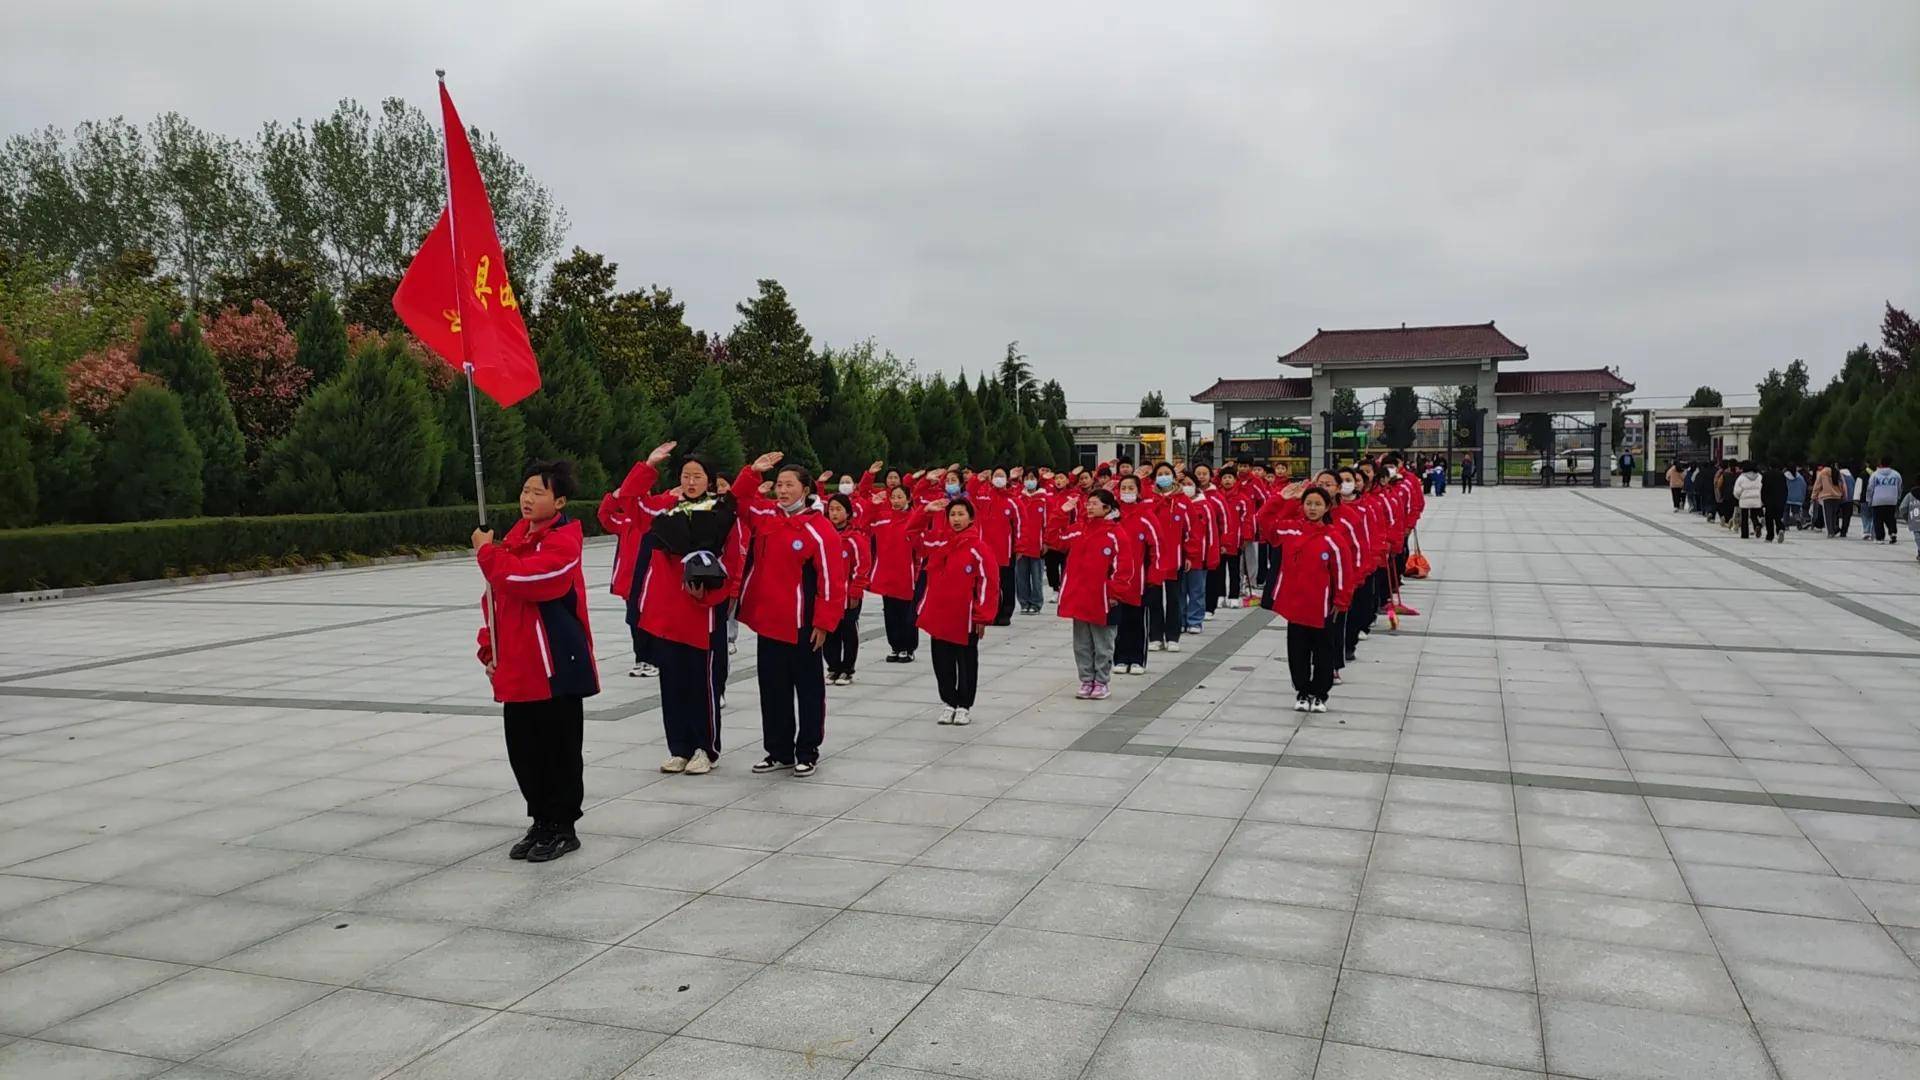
1106	551
1324	556
797	545
966	568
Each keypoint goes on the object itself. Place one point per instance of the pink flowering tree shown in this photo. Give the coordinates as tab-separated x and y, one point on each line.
99	380
256	355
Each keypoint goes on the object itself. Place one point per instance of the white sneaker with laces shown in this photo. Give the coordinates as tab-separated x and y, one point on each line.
699	764
1173	646
946	715
733	648
1300	703
962	717
1318	704
644	671
1157	646
674	765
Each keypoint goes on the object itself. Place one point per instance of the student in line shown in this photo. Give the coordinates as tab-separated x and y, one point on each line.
1748	496
1029	552
842	651
793	600
1883	500
999	523
961	600
632	556
679	607
1199	547
1100	572
1312	589
896	571
1139	528
538	650
1166	602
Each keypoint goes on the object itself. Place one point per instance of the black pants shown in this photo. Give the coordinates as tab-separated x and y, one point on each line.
1749	516
902	636
690	686
793	699
1056	562
1358	615
956	669
717	646
543	746
642	641
1775	518
1232	564
1886	523
1130	634
1310	658
1163	609
1003	616
1466	482
843	645
1216	586
1679	498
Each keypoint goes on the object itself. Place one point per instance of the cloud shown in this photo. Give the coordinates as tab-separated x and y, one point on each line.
1144	196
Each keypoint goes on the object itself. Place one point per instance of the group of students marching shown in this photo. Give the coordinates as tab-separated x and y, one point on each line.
1134	559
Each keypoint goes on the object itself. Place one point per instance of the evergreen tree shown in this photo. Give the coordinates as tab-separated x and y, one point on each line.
1699	428
153	462
637	428
942	438
1053	401
503	447
787	433
900	427
1345	413
1035	450
973	427
1008	439
1060	445
65	474
1842	434
369	440
569	415
1781	396
866	439
19	493
1153	405
1896	426
1401	416
772	360
322	336
829	424
185	364
1015	378
701	421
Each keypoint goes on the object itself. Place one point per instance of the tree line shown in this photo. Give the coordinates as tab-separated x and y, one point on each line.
1870	410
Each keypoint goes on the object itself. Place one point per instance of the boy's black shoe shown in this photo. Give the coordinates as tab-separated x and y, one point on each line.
526	843
768	765
804	768
553	845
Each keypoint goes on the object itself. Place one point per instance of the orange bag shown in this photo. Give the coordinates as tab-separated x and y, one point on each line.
1417	564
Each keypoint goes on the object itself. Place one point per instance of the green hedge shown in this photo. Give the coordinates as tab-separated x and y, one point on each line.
60	556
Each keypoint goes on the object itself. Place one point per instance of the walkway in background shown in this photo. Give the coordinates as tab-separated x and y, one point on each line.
1631	799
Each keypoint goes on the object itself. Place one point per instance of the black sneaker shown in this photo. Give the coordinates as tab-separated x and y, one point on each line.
804	768
767	765
534	836
553	845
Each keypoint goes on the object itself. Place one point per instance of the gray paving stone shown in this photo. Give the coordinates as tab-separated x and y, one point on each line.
1809	1055
1796	939
1655	979
1446	858
505	1046
1214	988
28	1059
347	1035
1446	951
1251	928
733	927
668	864
887	946
754	829
44	992
699	1059
810	1012
1608	1042
486	968
1284	882
1839	1002
211	873
1141	867
967	849
1745	849
639	988
600	911
995	1037
204	932
339	948
1775	890
1455	900
948	894
1027	818
1113	911
185	1017
808	879
70	918
1621	920
1611	875
1149	1047
1060	967
331	881
874	841
1343	1061
1472	1023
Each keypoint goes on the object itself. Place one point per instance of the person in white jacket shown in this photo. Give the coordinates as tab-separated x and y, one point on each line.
1746	494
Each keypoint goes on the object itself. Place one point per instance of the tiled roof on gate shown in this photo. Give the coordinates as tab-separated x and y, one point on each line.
1475	341
1580	381
1255	390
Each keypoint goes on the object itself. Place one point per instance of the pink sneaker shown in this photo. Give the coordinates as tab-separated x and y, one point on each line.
1085	692
1099	692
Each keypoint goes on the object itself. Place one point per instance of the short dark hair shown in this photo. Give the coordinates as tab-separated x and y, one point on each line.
845	501
1316	489
1103	495
806	478
557	475
964	504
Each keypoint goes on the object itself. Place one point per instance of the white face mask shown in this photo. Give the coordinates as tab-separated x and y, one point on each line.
1030	484
846	487
1188	490
999	481
1346	487
1129	496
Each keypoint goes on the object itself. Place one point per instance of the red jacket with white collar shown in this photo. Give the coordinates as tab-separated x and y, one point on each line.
798	580
857	548
667	609
1199	542
1031	542
1153	547
1313	577
997	518
963	587
1101	569
621	519
1234	510
544	645
894	558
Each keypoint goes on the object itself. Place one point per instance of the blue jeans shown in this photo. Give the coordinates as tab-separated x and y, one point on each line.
1194	584
1029	580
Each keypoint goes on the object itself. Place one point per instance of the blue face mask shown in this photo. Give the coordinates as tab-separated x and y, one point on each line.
953	488
1164	481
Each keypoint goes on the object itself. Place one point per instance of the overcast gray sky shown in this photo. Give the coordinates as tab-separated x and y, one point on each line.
1145	195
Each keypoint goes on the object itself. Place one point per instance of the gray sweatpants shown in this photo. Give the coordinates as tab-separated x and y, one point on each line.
1093	651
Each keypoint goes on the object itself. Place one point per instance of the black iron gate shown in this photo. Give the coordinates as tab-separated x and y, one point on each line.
1551	449
1439	430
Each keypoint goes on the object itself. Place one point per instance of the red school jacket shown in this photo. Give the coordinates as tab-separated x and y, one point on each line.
621	518
1199	544
997	518
798	580
1233	522
667	609
1101	569
1158	558
857	548
544	645
1031	541
894	559
1313	578
963	587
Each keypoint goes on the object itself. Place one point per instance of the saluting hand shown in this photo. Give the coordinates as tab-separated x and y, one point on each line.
767	460
660	453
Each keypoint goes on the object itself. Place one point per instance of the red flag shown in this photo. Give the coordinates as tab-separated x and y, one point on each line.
456	297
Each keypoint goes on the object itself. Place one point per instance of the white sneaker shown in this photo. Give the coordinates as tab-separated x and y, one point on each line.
1173	646
733	648
1362	636
673	765
643	671
962	717
1300	703
699	764
1208	615
1157	646
1318	704
946	715
846	679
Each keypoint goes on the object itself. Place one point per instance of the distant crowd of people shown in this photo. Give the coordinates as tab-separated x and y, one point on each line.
1764	502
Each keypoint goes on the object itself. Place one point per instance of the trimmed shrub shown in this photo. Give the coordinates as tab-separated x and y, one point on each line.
182	360
56	556
152	465
503	447
366	441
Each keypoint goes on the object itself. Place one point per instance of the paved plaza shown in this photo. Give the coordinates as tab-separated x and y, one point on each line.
1632	799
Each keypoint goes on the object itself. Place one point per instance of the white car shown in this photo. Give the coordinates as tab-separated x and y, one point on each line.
1582	463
